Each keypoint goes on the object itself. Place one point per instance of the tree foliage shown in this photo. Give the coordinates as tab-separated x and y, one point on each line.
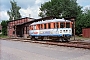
68	8
4	27
14	13
83	21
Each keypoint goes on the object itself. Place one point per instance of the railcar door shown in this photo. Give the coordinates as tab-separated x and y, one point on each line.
55	29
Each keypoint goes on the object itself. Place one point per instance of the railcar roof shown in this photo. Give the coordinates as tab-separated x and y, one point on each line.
48	21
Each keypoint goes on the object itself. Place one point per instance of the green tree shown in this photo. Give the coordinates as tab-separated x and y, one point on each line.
4	27
87	20
83	21
68	8
14	13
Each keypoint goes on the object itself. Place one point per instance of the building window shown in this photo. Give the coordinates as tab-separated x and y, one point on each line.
15	22
18	21
13	32
10	27
26	30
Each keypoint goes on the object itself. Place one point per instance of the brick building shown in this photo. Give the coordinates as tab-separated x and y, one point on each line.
86	32
18	28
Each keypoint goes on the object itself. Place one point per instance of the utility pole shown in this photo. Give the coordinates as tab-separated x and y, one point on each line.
73	19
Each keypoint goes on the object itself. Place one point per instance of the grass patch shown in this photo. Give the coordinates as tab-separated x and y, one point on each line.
3	36
80	38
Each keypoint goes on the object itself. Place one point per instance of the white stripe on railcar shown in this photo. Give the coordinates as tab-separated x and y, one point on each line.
48	21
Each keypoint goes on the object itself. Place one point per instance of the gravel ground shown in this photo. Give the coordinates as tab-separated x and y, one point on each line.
16	50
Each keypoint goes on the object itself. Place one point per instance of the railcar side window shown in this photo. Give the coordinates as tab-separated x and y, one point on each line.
37	27
67	25
44	26
56	25
34	27
48	25
31	28
62	25
41	26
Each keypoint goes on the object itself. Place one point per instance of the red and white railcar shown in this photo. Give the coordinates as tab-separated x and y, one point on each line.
58	29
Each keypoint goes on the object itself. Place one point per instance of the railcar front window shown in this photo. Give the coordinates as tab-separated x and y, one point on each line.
62	25
67	25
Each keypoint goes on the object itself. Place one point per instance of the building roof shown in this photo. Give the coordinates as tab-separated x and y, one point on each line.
40	19
36	20
20	19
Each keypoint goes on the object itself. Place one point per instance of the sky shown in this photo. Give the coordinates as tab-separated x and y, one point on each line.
29	7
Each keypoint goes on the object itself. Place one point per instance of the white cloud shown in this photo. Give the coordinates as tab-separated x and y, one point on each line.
3	15
38	1
30	7
86	7
33	11
27	7
25	12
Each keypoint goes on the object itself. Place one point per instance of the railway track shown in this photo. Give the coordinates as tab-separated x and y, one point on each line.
76	44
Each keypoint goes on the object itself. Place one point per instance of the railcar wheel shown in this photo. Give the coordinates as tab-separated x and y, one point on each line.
61	39
42	38
30	37
33	38
67	39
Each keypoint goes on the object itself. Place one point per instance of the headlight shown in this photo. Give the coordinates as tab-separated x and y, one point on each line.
63	30
69	31
66	30
60	31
